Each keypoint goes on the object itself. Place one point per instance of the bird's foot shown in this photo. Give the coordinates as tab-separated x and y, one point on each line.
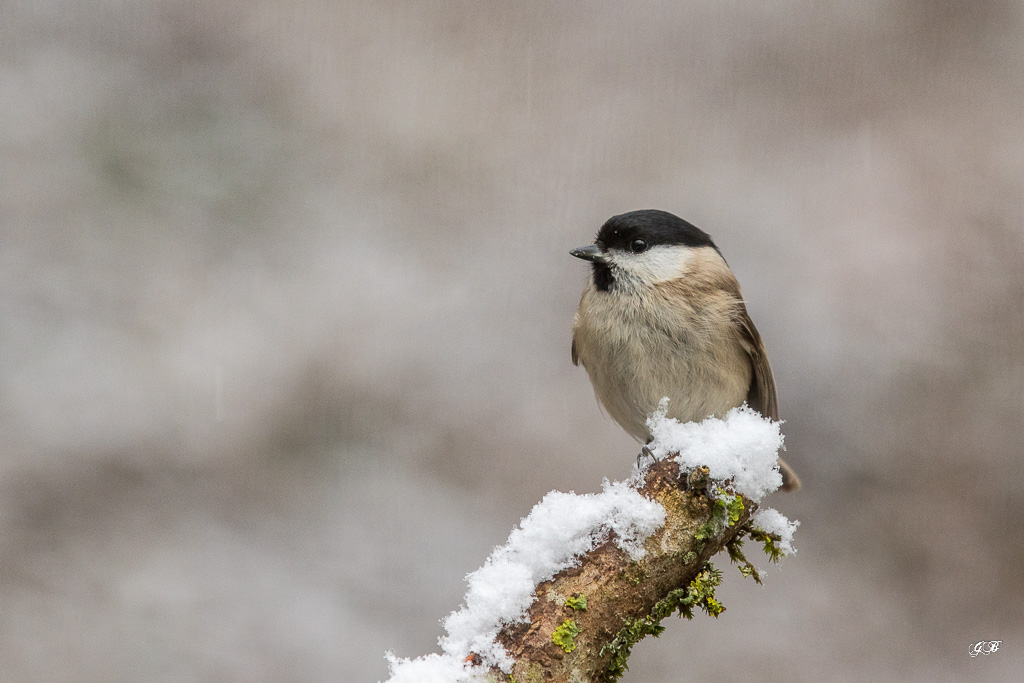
645	452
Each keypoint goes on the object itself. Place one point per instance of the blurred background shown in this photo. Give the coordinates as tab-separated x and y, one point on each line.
287	299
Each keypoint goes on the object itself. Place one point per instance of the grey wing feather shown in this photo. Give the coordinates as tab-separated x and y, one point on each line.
575	324
762	396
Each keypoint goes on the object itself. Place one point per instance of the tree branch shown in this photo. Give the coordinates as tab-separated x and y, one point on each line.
584	621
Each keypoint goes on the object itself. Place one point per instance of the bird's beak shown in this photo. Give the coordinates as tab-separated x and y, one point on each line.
591	252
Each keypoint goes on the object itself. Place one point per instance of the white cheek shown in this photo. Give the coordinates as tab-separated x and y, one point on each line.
655	265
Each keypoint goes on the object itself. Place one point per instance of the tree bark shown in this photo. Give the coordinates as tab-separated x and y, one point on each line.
626	599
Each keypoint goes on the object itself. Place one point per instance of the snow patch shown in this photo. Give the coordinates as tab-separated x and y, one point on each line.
742	447
774	522
433	668
559	529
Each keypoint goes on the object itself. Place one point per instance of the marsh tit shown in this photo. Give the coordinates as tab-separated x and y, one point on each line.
663	316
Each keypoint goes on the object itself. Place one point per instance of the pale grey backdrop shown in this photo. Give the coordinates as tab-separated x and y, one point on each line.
286	316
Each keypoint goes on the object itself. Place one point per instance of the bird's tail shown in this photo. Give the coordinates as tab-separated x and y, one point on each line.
790	482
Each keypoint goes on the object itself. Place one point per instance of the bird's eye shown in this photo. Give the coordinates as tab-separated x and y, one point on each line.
638	246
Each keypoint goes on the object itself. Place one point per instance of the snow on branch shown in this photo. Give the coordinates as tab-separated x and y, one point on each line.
585	577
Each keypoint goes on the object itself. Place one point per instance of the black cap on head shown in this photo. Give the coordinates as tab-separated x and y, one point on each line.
653	227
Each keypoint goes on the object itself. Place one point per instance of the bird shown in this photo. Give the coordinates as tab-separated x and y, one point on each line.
662	315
